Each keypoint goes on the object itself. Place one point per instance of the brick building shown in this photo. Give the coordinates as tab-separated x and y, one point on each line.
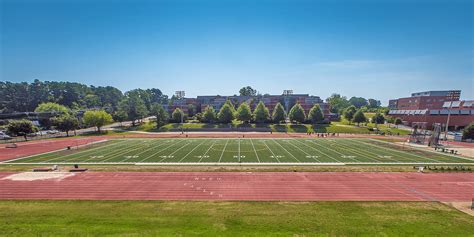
427	108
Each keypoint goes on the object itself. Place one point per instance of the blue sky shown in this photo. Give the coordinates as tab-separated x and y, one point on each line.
376	49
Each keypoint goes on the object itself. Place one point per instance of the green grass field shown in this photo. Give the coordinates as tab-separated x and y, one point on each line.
245	151
154	218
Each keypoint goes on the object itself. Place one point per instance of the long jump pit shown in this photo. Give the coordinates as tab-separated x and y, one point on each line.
248	186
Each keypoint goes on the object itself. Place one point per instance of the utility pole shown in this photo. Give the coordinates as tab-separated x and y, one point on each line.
180	95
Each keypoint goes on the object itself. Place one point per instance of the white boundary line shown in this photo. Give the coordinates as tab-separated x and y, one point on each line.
395	150
241	164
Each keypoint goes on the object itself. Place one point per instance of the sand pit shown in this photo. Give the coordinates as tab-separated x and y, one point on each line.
33	176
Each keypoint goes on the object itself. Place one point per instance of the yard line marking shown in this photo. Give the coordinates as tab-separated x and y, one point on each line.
223	150
81	154
309	155
362	152
335	151
153	146
328	156
77	153
192	150
394	150
128	149
285	150
170	155
113	153
274	156
152	155
214	142
254	150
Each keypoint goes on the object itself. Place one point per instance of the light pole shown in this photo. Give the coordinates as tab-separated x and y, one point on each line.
287	94
451	98
180	95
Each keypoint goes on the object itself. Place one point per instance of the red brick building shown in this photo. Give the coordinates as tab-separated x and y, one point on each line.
427	108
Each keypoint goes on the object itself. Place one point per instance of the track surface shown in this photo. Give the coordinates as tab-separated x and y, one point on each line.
303	186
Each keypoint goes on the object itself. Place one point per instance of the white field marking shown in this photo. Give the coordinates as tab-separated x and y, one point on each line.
330	157
286	150
84	153
420	149
80	153
171	155
192	150
223	150
273	154
251	141
152	146
205	153
121	152
393	150
307	154
335	151
172	144
362	152
113	153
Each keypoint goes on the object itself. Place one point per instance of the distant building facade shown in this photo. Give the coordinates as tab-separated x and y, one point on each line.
429	107
216	101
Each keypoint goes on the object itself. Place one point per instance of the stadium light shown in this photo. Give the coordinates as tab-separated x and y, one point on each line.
451	96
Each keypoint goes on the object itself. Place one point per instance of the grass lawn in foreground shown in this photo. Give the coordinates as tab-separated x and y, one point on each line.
154	218
355	151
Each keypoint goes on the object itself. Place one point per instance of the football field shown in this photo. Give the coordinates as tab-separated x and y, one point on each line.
202	151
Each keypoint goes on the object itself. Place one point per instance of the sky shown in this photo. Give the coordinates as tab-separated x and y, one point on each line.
375	49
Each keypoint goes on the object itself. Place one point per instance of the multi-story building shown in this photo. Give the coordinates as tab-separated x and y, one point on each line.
427	108
270	101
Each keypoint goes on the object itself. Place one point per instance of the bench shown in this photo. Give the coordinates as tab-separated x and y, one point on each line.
78	170
42	169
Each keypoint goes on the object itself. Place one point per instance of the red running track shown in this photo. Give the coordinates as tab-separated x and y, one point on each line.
298	186
42	146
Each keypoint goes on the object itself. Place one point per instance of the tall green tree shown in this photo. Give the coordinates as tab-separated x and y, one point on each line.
133	105
244	113
468	132
120	116
349	113
279	113
226	114
51	107
247	91
297	114
66	123
21	128
315	114
373	103
209	115
358	101
378	118
359	117
160	113
337	103
398	121
177	115
261	113
97	118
